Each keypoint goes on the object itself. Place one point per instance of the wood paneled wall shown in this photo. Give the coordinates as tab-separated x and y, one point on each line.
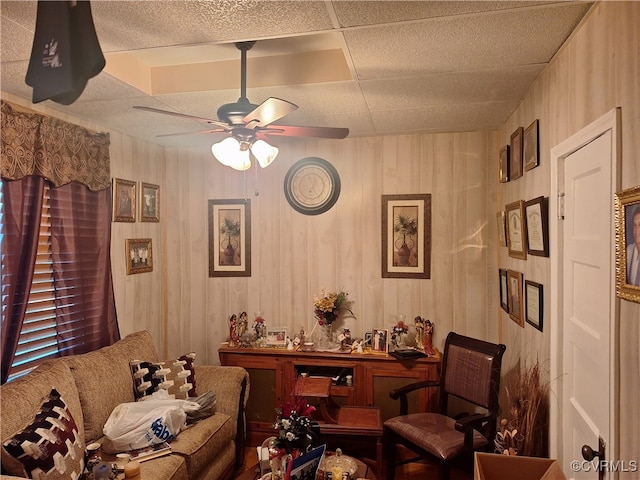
294	256
596	71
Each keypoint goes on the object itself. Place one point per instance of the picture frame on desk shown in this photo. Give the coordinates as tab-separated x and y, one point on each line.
277	337
380	341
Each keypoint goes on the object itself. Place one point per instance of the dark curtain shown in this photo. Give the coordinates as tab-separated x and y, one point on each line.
81	250
22	212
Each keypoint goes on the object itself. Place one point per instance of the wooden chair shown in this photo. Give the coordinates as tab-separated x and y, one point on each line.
470	371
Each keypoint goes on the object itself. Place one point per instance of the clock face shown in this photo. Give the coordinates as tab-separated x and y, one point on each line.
312	186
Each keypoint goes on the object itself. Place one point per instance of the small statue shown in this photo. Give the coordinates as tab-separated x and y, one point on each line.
419	322
428	337
242	323
234	338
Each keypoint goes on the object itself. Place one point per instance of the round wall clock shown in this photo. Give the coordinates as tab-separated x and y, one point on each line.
312	186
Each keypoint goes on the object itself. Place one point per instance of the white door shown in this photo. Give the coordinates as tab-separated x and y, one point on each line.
586	302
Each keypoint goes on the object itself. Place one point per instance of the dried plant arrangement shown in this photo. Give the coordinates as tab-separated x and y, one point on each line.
525	432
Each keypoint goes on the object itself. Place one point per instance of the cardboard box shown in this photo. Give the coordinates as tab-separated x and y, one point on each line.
489	466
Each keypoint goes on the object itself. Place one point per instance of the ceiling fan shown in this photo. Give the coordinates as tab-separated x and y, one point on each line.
249	125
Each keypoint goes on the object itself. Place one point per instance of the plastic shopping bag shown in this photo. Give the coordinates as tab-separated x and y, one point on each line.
140	424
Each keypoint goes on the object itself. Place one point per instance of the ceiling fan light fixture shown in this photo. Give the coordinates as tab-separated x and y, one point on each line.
230	153
264	153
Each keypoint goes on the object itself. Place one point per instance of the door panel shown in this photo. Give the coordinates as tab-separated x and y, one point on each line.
587	275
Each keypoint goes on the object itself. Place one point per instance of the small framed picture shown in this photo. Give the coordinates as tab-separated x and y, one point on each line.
139	255
503	166
515	160
515	297
534	306
380	341
149	202
367	341
516	230
531	147
627	220
537	215
502	228
504	289
124	200
277	337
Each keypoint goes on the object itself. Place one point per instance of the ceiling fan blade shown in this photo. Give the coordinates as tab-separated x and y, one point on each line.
316	132
217	130
268	111
184	115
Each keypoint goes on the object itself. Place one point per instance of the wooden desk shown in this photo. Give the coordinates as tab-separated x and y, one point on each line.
273	373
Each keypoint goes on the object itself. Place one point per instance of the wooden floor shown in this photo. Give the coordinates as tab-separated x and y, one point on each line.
414	471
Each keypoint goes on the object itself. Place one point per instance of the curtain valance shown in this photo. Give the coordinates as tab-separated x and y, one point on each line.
35	144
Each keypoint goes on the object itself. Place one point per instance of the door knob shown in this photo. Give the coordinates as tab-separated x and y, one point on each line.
588	453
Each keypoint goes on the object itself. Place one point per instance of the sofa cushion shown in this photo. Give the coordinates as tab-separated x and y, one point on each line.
29	392
177	376
103	378
204	441
50	446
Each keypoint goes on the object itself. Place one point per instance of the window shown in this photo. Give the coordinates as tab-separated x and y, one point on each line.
38	335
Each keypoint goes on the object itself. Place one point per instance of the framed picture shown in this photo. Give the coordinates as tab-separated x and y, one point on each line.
367	341
531	148
503	166
516	230
406	236
534	306
149	202
515	297
627	220
230	238
504	289
380	341
537	215
502	228
139	255
277	337
515	157
124	200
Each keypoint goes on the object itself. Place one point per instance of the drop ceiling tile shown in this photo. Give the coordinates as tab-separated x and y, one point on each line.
456	88
358	13
450	118
464	43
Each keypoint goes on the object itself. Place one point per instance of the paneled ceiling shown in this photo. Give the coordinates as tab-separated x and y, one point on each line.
375	67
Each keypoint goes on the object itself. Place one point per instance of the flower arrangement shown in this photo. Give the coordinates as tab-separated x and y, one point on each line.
294	426
328	305
400	328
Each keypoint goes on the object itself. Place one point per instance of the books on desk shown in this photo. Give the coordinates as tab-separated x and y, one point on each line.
152	451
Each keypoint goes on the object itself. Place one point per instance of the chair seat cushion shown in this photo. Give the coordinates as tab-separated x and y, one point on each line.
434	433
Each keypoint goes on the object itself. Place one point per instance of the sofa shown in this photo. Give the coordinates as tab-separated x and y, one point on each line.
93	384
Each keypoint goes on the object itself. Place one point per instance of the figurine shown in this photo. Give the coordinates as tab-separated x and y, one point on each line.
234	338
419	322
428	337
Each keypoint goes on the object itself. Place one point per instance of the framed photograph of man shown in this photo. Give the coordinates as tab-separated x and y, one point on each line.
149	202
627	220
139	255
230	238
515	297
124	200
